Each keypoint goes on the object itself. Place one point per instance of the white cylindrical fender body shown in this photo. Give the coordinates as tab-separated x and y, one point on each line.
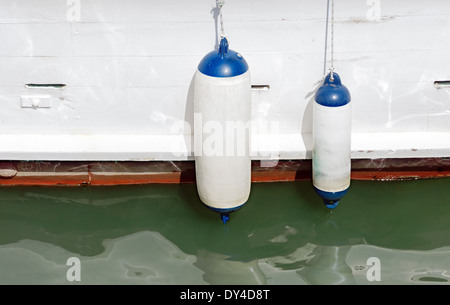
222	160
332	147
331	152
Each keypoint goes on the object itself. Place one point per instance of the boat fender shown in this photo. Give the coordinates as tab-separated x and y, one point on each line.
222	97
331	153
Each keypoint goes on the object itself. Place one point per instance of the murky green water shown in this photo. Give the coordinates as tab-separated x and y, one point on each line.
395	232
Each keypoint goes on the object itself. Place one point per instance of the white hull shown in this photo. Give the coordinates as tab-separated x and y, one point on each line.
128	68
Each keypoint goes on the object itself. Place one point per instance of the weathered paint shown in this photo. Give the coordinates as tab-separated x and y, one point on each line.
128	173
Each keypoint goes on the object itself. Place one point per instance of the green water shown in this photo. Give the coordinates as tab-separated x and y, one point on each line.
163	234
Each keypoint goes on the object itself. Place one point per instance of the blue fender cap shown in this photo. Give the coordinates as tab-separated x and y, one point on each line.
225	213
223	62
222	211
332	93
331	199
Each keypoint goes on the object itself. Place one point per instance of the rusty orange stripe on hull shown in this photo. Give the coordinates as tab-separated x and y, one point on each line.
20	173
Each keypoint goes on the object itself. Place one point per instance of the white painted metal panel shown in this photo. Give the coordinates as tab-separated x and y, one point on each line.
128	67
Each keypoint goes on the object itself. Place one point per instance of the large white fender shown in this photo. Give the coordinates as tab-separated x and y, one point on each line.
222	101
331	152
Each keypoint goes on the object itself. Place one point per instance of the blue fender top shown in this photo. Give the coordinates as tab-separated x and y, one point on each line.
223	62
332	93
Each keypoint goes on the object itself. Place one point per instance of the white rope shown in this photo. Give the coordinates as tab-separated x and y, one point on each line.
332	41
220	4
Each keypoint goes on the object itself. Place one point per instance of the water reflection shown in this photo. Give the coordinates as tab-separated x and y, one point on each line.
162	234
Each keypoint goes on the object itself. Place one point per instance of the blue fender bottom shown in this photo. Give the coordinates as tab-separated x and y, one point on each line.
331	199
225	213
